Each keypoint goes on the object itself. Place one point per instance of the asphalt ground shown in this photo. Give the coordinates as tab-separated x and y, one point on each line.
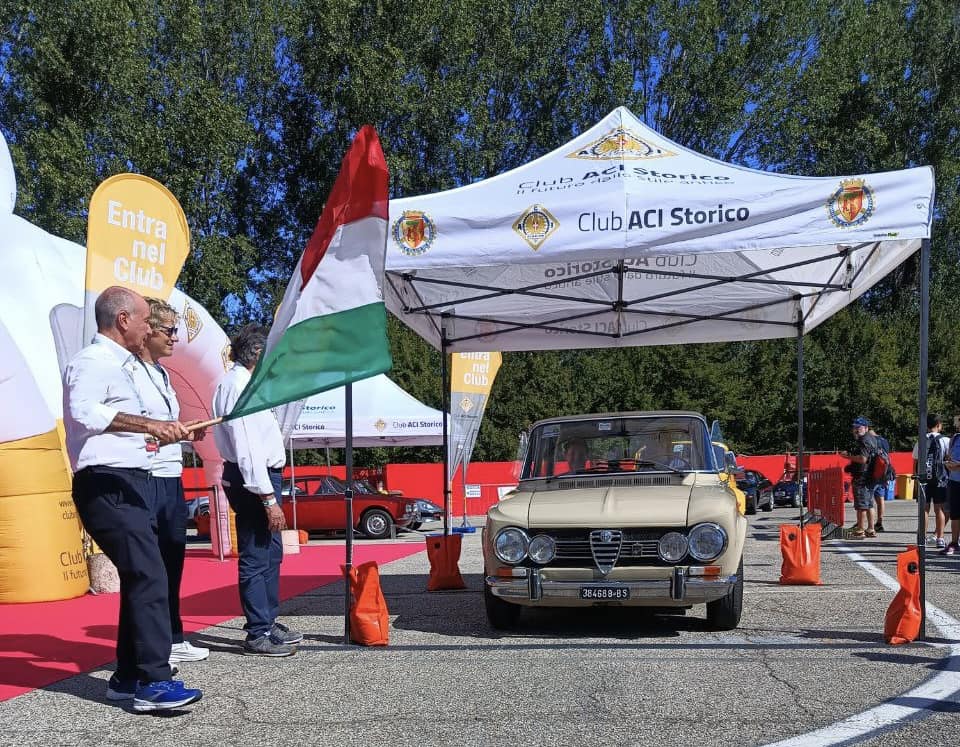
807	663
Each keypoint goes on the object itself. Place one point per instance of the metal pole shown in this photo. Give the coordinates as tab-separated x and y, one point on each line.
922	429
463	468
216	513
800	410
293	484
445	386
348	500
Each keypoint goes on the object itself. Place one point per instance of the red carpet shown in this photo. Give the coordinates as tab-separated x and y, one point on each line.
50	641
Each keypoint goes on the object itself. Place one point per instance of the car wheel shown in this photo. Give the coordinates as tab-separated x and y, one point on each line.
751	505
795	502
768	506
724	613
415	526
502	615
376	524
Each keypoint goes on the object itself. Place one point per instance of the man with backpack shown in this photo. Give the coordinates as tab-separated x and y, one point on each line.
860	455
933	479
880	489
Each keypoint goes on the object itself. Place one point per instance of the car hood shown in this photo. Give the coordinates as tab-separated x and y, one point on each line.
622	506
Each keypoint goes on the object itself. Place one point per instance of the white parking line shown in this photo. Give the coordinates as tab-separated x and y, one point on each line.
939	687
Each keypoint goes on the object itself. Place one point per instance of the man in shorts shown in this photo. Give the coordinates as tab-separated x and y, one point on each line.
952	462
859	455
935	488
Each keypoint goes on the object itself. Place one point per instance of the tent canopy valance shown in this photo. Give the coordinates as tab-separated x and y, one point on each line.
623	238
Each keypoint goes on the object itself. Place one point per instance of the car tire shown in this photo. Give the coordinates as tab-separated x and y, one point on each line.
724	613
751	506
415	526
376	524
501	615
768	506
795	501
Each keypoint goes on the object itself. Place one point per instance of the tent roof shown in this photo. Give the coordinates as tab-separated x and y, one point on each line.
622	237
383	415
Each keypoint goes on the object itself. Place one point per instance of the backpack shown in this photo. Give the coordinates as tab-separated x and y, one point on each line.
934	470
880	467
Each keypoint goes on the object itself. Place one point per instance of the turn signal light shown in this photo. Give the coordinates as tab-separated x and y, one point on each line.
706	570
506	572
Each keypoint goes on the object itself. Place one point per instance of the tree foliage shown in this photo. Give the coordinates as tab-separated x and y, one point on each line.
244	109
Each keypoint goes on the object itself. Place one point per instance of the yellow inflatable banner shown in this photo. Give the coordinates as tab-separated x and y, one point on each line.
137	237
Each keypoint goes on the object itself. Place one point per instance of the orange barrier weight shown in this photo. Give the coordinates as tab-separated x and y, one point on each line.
369	618
801	554
443	552
304	536
901	624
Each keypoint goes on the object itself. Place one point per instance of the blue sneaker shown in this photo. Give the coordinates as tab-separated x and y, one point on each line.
119	689
163	696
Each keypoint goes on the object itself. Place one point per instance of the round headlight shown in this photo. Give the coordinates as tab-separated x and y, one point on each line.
542	549
672	547
511	545
707	541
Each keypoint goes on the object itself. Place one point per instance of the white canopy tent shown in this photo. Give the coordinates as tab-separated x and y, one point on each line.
383	415
623	238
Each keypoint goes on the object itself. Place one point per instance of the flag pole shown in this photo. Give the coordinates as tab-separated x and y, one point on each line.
348	500
445	387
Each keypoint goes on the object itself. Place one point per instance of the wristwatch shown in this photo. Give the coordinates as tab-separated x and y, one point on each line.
269	502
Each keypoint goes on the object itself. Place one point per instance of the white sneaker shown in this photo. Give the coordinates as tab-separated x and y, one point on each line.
186	651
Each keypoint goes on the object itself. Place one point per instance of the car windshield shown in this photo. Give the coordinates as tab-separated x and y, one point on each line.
656	443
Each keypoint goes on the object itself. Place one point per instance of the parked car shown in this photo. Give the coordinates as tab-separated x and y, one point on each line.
598	518
757	489
197	507
785	494
428	510
321	507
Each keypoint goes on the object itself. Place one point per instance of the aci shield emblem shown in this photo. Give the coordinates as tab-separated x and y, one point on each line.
621	143
535	225
852	204
380	425
414	232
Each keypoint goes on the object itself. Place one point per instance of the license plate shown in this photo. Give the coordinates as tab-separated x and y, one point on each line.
604	592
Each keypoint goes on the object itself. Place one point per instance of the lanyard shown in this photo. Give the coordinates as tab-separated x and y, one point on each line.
156	386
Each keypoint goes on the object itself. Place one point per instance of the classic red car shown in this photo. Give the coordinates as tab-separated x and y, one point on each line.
321	507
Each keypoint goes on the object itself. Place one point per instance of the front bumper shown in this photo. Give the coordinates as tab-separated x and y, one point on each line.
679	590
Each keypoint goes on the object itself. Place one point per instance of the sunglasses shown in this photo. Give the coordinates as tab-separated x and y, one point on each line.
168	331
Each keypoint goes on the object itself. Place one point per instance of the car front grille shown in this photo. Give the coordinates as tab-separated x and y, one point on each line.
629	547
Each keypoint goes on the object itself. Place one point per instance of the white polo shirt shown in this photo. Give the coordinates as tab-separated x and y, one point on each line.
98	383
160	400
254	442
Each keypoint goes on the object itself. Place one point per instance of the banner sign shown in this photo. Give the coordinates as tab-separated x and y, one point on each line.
137	237
472	376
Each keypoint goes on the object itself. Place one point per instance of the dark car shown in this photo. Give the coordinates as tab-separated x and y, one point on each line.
785	494
758	489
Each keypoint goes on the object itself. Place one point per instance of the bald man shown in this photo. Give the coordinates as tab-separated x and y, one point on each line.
111	445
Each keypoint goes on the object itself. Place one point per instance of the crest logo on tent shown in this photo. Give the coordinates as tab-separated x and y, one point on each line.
852	204
621	143
380	425
414	232
225	357
192	321
535	225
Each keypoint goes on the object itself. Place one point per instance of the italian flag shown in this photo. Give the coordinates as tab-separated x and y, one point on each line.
331	328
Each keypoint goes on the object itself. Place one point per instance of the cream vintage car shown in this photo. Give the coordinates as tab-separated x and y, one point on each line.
616	509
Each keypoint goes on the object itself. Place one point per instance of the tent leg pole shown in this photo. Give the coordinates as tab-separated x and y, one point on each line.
800	411
348	500
922	428
445	387
293	483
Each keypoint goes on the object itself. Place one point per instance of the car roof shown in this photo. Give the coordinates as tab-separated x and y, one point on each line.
630	414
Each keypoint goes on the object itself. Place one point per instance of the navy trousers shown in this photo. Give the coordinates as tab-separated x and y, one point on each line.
117	507
261	553
172	538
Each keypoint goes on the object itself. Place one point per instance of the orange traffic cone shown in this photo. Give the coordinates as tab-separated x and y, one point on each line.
801	554
369	618
444	554
901	624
